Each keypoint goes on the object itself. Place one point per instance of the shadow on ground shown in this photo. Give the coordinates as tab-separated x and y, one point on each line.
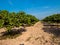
52	29
12	34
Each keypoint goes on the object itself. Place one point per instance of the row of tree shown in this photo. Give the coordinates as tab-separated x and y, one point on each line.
55	18
13	19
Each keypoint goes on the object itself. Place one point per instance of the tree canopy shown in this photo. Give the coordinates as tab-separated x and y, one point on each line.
55	18
11	19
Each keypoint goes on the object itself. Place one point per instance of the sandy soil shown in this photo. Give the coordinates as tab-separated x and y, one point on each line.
34	35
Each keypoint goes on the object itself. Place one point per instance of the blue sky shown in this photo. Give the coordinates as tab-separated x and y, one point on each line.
39	8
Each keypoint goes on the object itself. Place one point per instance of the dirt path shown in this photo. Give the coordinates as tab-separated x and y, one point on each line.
33	36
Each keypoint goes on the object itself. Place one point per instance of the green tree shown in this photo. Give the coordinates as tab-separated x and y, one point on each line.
55	18
13	19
